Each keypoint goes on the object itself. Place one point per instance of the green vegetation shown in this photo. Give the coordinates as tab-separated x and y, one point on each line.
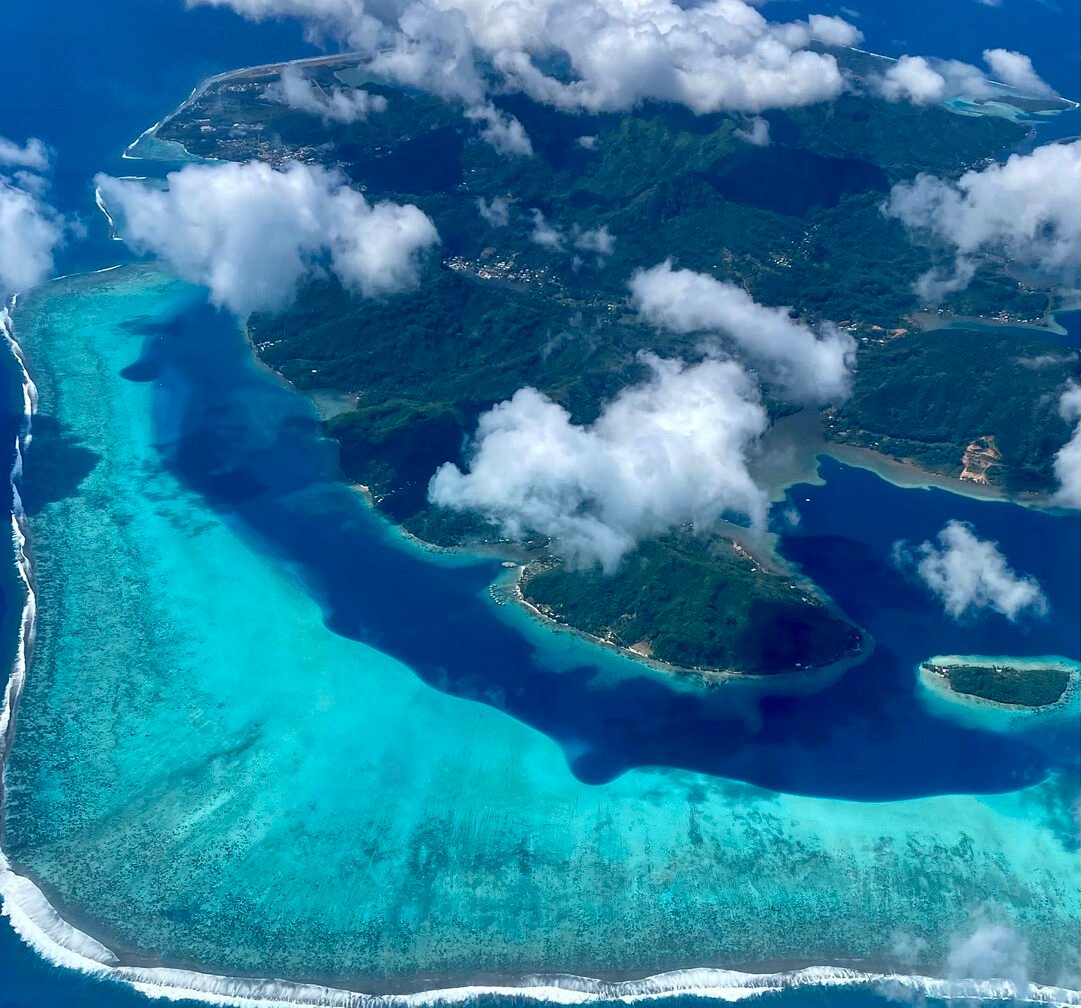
925	396
426	364
796	223
697	602
1030	686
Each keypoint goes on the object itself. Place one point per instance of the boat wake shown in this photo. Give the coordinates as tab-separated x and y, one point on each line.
41	927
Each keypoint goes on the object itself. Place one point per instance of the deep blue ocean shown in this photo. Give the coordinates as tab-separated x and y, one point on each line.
89	78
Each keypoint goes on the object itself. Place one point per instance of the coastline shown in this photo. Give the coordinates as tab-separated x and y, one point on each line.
942	688
800	440
911	476
42	928
39	924
930	321
150	134
799	437
520	558
819	675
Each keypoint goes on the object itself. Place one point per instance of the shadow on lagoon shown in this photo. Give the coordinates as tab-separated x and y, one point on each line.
254	450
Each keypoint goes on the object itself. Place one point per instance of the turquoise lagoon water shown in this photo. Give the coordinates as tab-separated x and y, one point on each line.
206	774
191	803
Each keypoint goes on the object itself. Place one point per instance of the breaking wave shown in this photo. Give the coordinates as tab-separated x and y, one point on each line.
41	927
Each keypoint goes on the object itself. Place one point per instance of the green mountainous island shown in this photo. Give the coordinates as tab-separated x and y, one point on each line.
402	381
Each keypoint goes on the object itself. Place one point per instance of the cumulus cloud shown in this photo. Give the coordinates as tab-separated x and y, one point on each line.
1015	69
345	105
587	142
721	54
755	132
969	575
1068	457
32	230
806	365
663	453
928	81
913	79
1026	211
505	133
495	213
925	81
32	155
991	952
544	234
597	240
250	233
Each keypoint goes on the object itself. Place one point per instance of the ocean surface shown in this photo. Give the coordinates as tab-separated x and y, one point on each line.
28	982
211	459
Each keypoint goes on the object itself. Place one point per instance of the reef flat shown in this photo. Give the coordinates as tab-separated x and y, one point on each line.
206	776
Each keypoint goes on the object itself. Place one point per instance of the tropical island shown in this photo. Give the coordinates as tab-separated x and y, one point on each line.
728	613
800	224
266	751
1031	684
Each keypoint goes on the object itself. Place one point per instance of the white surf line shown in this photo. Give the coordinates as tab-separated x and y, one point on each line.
1008	89
99	200
43	929
70	276
38	924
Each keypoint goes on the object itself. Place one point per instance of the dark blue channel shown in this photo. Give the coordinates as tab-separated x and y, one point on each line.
253	449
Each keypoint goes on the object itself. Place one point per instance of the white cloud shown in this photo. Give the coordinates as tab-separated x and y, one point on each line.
505	133
32	232
345	105
926	81
421	44
755	132
544	234
1015	69
496	213
597	240
587	142
1068	457
913	79
1026	211
806	365
33	155
251	233
969	575
661	454
991	952
720	54
31	229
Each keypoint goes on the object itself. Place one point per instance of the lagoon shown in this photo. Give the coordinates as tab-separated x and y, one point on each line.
114	84
265	737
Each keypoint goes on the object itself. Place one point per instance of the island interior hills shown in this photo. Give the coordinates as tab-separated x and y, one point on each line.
530	289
